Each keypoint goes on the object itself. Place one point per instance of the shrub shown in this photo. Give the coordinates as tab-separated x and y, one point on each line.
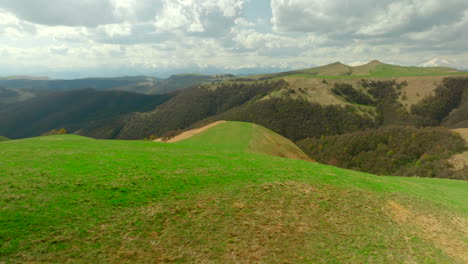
447	97
403	151
348	92
52	132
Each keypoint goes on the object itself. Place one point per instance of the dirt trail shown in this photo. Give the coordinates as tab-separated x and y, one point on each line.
190	133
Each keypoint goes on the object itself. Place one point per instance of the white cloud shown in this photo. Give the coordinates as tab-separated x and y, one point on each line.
252	39
179	34
11	26
60	50
243	22
212	18
112	30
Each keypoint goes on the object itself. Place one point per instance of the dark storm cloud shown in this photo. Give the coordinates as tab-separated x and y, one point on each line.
365	17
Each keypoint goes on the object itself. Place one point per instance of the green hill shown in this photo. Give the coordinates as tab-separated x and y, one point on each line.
324	101
248	137
299	108
77	200
338	70
4	139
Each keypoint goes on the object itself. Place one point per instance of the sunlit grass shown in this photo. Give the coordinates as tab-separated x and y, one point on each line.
78	200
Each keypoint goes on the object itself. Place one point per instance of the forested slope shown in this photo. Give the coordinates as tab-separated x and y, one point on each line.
71	110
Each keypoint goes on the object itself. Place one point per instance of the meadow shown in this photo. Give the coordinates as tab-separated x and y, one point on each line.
210	199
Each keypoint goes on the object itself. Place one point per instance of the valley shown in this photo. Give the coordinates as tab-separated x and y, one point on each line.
330	100
233	131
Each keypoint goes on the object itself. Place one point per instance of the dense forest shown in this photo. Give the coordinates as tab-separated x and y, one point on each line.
404	151
416	148
71	110
298	119
195	104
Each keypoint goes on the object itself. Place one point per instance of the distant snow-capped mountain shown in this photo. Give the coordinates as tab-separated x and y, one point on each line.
438	62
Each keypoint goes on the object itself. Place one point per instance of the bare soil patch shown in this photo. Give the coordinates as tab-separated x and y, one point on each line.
460	161
463	132
190	133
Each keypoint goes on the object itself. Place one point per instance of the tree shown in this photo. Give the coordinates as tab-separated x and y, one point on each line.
53	132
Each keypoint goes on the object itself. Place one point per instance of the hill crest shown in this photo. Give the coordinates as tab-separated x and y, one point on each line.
374	68
377	68
243	136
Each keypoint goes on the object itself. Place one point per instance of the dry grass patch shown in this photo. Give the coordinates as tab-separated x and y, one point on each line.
460	161
445	234
284	222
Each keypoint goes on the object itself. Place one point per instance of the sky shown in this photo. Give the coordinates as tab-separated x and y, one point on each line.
84	38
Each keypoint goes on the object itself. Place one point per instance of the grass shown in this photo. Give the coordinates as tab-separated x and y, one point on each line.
245	137
4	139
373	69
77	200
376	75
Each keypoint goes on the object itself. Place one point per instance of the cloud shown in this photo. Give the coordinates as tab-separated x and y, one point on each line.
208	18
267	43
144	35
58	12
13	27
401	29
60	50
243	22
364	18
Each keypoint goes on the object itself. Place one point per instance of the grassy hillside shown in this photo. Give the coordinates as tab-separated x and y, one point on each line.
3	139
299	109
374	68
78	200
248	138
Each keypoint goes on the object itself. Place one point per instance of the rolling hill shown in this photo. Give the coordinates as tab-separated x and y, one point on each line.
10	96
324	101
74	199
375	68
4	139
139	84
255	139
391	103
